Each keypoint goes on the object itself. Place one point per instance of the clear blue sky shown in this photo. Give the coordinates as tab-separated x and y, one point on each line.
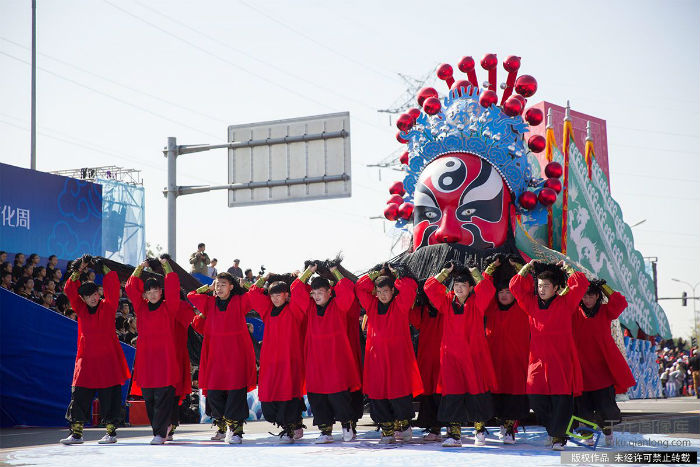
118	77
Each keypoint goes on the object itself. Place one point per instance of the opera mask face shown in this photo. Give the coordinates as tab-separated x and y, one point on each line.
459	198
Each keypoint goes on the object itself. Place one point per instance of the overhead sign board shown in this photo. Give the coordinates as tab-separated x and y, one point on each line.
297	159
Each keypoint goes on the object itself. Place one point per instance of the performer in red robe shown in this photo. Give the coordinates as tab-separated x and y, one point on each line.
158	366
508	338
281	379
466	372
227	369
184	386
331	371
604	368
391	377
100	365
429	323
554	372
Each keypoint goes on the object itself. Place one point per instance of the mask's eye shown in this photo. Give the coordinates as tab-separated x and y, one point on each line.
464	212
431	215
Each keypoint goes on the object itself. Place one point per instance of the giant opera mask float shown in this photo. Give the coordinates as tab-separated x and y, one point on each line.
467	162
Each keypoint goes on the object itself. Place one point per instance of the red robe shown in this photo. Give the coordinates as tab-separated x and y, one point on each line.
329	360
553	366
465	362
390	369
99	361
429	340
157	362
281	375
602	363
508	337
182	323
227	360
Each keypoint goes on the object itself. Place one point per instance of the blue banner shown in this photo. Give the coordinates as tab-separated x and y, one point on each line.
49	214
37	350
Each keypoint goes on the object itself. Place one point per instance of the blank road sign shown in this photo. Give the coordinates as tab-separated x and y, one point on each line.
297	159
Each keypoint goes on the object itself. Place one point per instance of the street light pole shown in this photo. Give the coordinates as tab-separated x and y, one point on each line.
695	313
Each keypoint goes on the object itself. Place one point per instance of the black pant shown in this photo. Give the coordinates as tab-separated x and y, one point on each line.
81	398
283	413
175	414
511	406
599	407
231	404
460	408
553	412
159	407
329	408
389	410
357	402
427	413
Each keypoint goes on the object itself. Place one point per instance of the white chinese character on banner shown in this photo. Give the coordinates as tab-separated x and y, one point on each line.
23	218
7	214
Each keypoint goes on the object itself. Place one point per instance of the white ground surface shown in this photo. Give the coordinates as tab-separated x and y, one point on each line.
262	449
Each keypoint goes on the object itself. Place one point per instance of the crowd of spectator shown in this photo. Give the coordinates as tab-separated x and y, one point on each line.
676	360
201	264
25	276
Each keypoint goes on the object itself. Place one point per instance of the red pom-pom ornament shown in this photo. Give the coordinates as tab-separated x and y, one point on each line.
404	122
444	71
553	183
526	85
462	83
391	212
432	105
547	196
400	139
395	199
404	158
397	189
528	200
466	64
414	113
511	64
513	107
425	93
534	116
489	62
536	143
406	210
488	98
553	170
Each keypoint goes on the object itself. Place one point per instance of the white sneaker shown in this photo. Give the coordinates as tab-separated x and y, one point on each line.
108	439
218	436
157	439
609	440
298	433
405	435
387	440
72	439
508	438
480	438
557	446
452	443
324	439
232	438
286	439
169	437
348	435
432	437
502	432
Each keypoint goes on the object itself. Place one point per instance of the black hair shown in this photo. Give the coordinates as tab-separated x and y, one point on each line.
214	259
461	273
227	277
152	283
87	288
4	273
62	302
554	273
319	282
548	276
51	257
17	255
384	281
2	252
248	271
278	287
200	245
32	256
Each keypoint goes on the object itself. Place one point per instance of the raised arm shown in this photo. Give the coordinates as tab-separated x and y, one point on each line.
522	286
200	299
259	301
363	290
577	284
172	288
406	297
437	292
134	286
71	291
344	294
616	302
